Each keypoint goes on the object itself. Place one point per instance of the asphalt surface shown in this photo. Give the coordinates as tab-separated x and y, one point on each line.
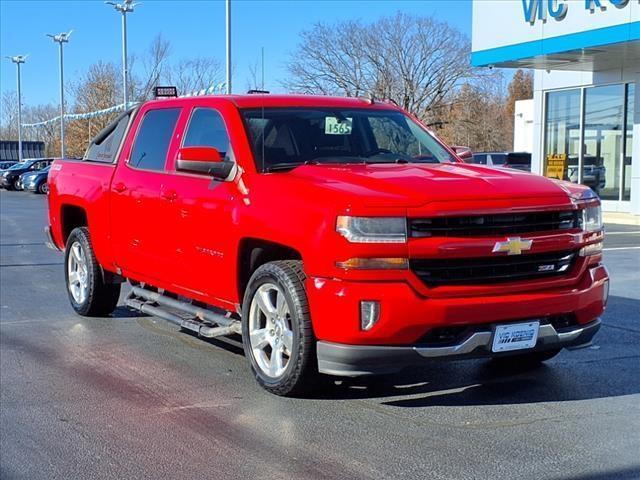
131	397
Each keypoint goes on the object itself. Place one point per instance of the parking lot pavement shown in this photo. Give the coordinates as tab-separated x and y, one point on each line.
131	397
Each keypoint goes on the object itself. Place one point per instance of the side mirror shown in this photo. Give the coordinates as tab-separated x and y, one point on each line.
205	160
464	153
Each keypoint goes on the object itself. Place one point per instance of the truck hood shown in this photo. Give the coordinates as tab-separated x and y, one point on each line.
413	185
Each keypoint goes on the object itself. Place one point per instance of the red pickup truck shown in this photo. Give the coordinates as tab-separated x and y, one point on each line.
335	235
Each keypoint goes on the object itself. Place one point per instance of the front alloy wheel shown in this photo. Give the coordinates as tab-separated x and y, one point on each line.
276	328
270	330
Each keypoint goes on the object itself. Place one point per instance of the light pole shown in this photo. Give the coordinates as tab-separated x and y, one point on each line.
228	62
124	8
61	38
18	59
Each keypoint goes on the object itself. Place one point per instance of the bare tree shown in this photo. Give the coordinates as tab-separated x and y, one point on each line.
9	115
190	75
155	68
49	133
474	115
255	80
415	61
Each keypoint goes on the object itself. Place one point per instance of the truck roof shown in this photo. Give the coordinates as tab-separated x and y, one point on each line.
269	100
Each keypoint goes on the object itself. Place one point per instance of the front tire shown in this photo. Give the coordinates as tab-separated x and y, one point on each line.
88	293
276	328
43	188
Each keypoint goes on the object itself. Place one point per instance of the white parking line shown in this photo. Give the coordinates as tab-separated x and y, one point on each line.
620	248
620	233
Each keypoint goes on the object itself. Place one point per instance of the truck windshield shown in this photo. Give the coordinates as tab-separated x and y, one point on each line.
283	138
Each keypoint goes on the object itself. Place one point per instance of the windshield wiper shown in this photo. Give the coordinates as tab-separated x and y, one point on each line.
388	160
276	167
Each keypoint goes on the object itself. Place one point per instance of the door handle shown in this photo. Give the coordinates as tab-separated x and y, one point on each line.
119	187
170	195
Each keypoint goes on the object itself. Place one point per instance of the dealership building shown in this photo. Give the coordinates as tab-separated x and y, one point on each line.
586	113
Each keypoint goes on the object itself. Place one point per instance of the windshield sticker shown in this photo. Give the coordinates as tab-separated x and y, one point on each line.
336	126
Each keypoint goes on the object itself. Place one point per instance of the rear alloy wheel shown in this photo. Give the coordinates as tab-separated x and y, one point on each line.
43	188
88	293
276	328
16	184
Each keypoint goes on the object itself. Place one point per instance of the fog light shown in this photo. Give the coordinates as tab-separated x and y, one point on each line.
369	314
605	292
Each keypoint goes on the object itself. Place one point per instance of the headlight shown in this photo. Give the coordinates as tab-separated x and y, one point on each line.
373	229
591	219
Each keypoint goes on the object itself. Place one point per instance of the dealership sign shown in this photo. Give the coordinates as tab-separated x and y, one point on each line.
558	9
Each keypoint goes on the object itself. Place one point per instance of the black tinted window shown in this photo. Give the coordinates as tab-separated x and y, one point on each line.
104	147
206	129
498	158
154	135
480	159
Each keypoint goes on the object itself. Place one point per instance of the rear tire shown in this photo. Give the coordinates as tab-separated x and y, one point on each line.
88	293
284	331
16	184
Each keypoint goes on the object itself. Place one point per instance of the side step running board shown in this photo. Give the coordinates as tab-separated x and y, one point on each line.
202	321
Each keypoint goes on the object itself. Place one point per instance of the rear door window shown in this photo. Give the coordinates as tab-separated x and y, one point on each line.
105	145
150	147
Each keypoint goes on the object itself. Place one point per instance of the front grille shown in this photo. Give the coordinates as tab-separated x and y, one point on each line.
494	225
456	271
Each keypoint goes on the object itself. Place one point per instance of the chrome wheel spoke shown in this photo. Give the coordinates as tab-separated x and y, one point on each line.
260	338
73	278
282	310
265	303
276	362
287	340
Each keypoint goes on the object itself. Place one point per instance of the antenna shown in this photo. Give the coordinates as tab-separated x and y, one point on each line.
262	82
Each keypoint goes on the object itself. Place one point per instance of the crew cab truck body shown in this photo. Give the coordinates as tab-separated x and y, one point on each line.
343	235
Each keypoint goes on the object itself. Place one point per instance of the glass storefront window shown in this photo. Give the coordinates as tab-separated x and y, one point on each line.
628	149
607	138
562	134
603	135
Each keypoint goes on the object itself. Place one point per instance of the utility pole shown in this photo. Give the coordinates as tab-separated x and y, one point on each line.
124	8
18	59
61	38
228	63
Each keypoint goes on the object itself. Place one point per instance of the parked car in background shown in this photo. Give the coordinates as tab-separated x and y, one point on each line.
6	164
593	172
10	179
36	182
517	160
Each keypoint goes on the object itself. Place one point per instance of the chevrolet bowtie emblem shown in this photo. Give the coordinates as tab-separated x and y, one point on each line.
513	246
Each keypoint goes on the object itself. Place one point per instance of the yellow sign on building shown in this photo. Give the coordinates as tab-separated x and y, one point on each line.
556	166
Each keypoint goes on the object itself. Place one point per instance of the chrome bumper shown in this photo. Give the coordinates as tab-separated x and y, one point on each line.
356	360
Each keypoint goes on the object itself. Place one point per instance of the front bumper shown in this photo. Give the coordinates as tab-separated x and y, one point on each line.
356	360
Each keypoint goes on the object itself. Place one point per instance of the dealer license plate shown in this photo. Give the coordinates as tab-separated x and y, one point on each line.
516	336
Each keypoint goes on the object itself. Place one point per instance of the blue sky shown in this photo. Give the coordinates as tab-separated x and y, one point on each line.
194	28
